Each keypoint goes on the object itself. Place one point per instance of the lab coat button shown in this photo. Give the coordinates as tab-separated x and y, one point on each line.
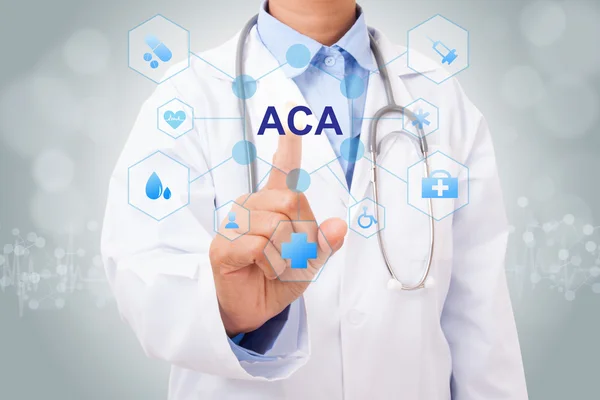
355	317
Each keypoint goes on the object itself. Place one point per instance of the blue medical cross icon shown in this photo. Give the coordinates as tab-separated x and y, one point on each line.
440	188
421	119
299	250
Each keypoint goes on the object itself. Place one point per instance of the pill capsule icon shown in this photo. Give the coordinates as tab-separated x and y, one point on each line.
158	48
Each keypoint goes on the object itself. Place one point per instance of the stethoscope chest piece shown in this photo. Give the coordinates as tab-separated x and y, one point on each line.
394	285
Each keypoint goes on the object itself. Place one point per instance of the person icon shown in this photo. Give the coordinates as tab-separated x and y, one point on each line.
231	224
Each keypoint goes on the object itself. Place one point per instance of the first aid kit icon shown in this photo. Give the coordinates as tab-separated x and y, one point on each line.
440	185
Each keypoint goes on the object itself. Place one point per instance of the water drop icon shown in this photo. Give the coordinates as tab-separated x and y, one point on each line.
167	194
154	188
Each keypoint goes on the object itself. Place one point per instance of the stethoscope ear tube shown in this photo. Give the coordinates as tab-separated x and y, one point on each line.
394	283
375	190
239	71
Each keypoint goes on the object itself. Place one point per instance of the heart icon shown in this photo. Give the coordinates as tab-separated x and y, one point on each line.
174	118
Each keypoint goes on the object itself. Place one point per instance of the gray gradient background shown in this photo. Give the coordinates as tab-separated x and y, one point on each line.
68	100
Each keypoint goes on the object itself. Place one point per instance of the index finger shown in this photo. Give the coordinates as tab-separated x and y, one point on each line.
287	157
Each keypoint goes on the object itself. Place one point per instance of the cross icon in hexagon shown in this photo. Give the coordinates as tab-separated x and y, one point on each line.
440	188
299	250
421	119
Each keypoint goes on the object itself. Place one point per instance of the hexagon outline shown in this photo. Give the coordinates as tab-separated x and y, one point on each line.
424	74
141	161
376	204
129	48
322	266
468	185
215	226
432	105
185	104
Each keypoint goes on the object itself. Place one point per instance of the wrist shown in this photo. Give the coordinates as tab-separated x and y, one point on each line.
236	326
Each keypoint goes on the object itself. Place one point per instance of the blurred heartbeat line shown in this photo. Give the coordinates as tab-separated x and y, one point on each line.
42	281
562	254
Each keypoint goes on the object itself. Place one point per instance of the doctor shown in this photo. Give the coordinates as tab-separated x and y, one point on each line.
215	309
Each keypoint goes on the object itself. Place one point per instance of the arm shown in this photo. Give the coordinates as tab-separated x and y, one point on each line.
477	318
161	274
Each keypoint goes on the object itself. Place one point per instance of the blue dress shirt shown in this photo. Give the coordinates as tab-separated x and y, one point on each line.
321	80
320	84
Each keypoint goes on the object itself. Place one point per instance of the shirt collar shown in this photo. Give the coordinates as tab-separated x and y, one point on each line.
278	37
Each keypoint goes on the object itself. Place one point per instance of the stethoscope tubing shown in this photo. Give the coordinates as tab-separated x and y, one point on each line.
239	71
393	108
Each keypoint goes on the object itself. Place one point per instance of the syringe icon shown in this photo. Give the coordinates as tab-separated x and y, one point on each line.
446	58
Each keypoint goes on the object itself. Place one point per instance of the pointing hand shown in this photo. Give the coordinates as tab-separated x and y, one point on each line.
260	273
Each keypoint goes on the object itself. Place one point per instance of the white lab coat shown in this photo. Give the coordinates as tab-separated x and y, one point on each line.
349	337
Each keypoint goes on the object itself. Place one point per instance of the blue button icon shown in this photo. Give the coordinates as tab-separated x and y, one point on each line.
299	250
444	186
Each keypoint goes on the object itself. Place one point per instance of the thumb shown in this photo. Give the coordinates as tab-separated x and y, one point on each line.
334	230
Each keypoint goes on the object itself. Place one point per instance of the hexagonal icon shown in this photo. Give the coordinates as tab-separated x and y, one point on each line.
175	118
298	251
159	49
438	48
366	217
232	220
426	117
444	191
158	185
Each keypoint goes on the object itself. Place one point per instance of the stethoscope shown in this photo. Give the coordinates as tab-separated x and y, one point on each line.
394	283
